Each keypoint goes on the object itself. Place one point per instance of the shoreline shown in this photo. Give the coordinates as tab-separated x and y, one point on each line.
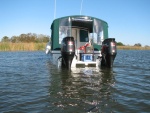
32	46
132	48
9	46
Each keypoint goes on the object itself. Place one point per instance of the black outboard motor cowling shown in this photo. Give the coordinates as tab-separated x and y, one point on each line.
67	51
109	52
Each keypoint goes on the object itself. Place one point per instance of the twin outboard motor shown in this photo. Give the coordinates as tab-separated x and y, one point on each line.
67	51
108	52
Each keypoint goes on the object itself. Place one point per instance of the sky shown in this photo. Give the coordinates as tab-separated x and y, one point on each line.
128	20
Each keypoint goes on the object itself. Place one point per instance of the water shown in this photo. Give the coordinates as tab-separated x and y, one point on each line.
29	82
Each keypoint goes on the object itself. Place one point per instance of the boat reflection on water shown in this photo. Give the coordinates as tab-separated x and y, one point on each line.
81	89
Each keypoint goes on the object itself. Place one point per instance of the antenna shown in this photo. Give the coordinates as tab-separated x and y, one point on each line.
55	9
81	6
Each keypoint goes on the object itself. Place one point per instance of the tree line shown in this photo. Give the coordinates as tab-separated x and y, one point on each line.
29	37
38	38
137	44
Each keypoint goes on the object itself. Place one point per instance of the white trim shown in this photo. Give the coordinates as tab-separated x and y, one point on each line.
58	52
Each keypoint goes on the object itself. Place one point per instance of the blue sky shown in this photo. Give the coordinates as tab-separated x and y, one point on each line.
128	20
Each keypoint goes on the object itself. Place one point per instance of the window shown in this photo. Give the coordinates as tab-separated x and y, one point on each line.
98	35
84	36
64	28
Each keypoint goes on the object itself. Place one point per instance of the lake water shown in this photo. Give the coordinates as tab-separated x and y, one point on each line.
29	82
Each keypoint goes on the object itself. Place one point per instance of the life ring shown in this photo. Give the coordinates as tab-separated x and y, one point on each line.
84	47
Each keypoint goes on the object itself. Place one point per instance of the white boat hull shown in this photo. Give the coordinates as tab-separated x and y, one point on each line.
57	60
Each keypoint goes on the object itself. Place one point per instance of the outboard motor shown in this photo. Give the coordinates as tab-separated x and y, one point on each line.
109	52
67	51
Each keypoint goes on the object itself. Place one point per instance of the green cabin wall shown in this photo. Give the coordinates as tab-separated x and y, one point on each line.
55	34
105	28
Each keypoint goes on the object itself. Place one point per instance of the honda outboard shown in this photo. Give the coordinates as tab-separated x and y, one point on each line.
108	52
67	51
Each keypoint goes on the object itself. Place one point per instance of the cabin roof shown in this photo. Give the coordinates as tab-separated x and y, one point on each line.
55	21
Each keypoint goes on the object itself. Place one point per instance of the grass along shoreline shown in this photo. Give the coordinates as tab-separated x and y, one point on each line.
8	46
132	48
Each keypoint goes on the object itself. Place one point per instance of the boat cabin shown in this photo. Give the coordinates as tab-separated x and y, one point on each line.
83	29
81	40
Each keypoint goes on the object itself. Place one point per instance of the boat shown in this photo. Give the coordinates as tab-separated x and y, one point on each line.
81	40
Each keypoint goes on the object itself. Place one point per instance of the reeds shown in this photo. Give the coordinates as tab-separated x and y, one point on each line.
8	46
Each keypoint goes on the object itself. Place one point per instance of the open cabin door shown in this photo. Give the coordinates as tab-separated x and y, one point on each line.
80	36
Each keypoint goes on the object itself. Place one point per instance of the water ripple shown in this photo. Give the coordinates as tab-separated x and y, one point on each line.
31	83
